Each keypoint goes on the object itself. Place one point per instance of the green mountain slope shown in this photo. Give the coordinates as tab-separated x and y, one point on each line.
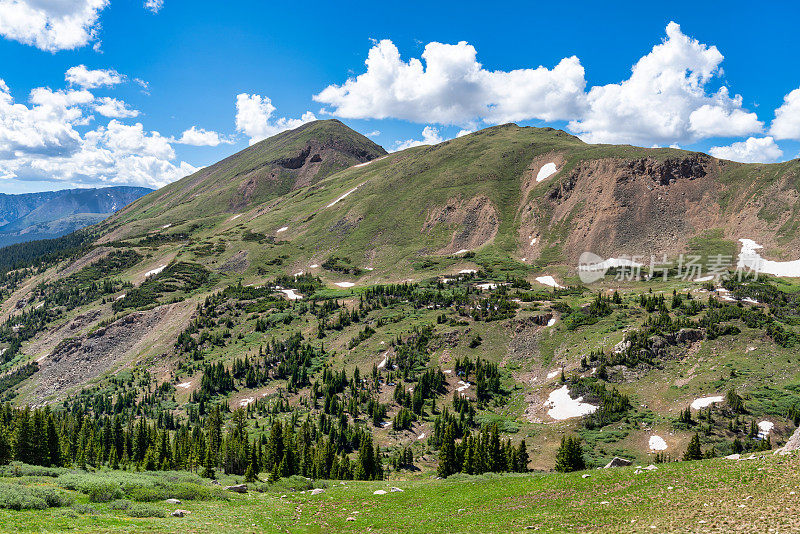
419	308
257	174
482	193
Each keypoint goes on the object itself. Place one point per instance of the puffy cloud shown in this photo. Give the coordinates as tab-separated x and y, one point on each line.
90	79
453	88
51	25
430	136
665	99
786	124
111	107
669	97
254	118
40	141
754	150
154	6
199	137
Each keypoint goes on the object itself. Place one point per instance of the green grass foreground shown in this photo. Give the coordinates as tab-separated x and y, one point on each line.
758	495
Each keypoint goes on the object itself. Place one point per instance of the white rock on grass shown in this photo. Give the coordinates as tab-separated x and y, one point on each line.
317	491
379	492
562	406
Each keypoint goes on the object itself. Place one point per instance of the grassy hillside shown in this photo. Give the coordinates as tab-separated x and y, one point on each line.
708	496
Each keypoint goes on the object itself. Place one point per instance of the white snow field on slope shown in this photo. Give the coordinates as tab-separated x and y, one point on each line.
155	271
562	406
749	258
547	170
704	402
657	443
548	281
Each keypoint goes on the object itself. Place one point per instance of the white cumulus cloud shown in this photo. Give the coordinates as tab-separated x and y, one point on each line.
753	150
51	25
154	6
430	136
92	78
786	124
199	137
254	118
451	87
665	100
117	109
42	141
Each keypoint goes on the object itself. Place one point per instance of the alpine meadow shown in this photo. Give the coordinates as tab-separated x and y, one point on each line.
570	307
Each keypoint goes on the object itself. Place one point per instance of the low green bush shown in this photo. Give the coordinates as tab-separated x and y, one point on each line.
145	510
16	497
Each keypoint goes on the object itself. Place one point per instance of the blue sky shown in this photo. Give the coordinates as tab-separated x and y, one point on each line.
145	72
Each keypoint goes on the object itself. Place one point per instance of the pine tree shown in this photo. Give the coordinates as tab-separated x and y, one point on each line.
522	458
447	453
569	456
693	451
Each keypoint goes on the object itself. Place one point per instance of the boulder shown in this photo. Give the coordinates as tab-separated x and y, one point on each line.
317	491
379	492
172	501
180	513
238	488
395	489
793	444
618	462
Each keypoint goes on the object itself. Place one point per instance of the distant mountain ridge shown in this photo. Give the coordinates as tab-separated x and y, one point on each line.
30	216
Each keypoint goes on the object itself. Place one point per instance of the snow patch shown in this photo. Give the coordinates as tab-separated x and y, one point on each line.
551	322
467	271
184	385
313	266
236	216
383	362
764	428
290	294
704	279
282	229
562	406
368	162
166	226
155	271
548	281
332	204
534	240
486	286
547	170
552	374
462	251
657	443
462	386
704	402
245	402
749	258
421	436
344	284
